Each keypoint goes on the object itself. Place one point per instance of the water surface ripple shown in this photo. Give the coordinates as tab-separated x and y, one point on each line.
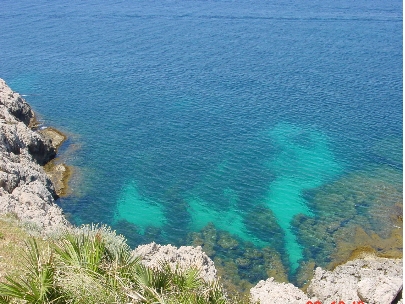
251	128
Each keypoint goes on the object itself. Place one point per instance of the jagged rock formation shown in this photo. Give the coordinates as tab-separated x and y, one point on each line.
371	280
183	257
25	189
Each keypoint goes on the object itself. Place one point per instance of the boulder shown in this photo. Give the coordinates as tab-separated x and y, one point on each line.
185	256
372	280
270	292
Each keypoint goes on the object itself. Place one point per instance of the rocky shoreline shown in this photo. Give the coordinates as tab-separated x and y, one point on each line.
26	190
31	181
367	280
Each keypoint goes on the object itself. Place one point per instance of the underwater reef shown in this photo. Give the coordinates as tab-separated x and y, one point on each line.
355	218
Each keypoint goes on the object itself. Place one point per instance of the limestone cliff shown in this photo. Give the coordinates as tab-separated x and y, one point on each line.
25	189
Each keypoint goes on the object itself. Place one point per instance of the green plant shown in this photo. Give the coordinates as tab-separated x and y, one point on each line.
37	286
94	265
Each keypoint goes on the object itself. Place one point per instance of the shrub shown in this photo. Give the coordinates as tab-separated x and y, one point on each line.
93	265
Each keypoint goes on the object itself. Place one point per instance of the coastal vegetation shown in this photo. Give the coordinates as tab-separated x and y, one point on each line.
92	264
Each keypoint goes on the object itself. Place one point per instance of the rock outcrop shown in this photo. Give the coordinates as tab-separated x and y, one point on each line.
25	189
269	292
370	280
183	257
59	173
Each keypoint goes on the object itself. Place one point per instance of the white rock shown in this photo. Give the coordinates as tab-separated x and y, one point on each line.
270	292
372	280
185	256
380	289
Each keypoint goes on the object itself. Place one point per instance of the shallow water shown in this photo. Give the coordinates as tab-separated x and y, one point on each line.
245	115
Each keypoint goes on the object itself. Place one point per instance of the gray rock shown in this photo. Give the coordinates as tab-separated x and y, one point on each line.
56	137
270	292
380	289
372	280
17	138
15	104
185	256
25	189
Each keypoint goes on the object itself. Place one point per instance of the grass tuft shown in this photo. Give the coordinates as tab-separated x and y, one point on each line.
92	264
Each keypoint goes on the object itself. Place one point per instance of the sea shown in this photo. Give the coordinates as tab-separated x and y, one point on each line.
268	132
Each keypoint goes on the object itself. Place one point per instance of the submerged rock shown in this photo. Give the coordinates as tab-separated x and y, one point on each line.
360	210
226	242
59	174
239	263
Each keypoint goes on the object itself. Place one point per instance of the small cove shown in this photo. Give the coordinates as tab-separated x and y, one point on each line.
255	131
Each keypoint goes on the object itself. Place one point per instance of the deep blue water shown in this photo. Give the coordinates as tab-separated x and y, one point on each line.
182	113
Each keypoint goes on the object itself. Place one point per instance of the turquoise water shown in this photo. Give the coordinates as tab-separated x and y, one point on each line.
235	113
304	162
137	209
